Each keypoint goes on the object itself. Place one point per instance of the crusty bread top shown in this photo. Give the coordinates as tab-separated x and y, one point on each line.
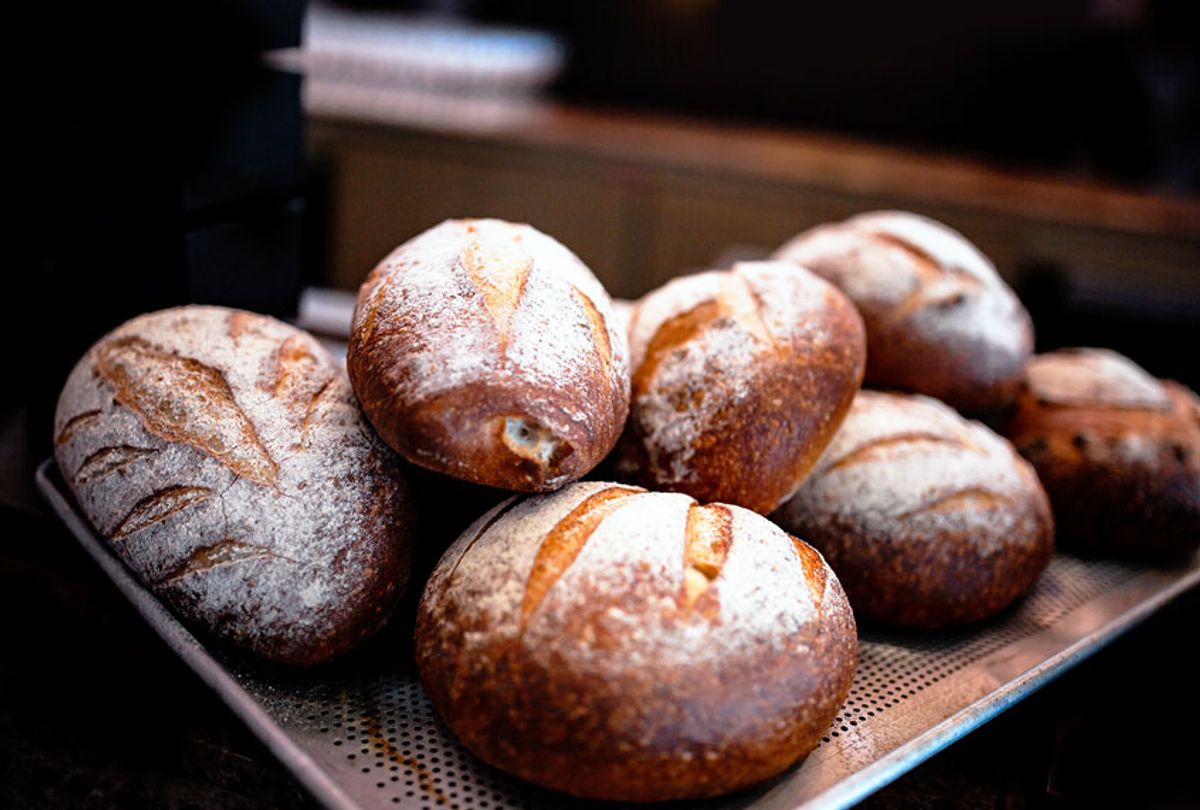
426	291
666	581
711	334
223	454
902	265
1097	378
910	461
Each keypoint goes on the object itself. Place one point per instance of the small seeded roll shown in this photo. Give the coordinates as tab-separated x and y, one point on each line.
928	519
487	351
224	457
1117	450
615	643
940	320
741	377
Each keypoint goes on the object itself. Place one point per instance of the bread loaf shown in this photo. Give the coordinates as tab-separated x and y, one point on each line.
940	321
1118	452
223	456
741	377
620	644
488	351
623	310
929	520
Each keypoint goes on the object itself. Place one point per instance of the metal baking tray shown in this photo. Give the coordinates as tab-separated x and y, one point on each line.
360	733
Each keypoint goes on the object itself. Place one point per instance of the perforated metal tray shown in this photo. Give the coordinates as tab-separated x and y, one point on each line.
360	733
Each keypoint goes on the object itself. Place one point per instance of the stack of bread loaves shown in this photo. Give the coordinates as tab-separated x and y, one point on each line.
605	639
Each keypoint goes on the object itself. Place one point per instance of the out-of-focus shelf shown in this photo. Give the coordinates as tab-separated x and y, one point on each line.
642	197
819	161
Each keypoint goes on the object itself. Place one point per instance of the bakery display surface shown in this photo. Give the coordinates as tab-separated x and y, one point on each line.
361	733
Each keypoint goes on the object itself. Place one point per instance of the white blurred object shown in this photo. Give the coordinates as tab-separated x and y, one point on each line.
390	48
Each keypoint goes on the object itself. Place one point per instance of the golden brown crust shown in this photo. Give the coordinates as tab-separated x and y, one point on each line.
224	457
939	319
625	681
489	352
929	520
742	378
1118	453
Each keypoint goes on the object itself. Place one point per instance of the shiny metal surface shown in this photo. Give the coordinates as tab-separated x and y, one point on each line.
361	734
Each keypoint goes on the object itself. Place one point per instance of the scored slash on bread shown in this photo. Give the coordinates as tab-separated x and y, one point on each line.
617	643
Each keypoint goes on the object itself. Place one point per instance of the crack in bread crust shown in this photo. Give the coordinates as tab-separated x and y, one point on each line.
157	507
168	391
814	571
564	542
110	459
74	424
498	270
741	302
962	499
225	552
912	440
707	538
599	330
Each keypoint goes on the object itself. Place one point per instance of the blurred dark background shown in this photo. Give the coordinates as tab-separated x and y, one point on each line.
1105	87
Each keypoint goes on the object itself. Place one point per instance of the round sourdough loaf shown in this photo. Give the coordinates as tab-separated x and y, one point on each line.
223	456
488	351
741	377
928	519
621	644
940	321
1117	450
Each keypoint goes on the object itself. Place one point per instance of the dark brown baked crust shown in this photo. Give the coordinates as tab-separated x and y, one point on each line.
929	520
618	644
489	352
1118	453
223	456
940	321
741	379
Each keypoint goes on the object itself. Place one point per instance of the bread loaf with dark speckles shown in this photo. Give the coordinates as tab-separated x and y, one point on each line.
1118	452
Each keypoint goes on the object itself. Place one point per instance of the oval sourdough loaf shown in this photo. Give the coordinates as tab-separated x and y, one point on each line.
1118	452
741	377
621	644
940	320
928	519
488	351
223	456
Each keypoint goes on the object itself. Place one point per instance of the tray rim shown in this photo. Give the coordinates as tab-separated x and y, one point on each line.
181	641
894	764
843	793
